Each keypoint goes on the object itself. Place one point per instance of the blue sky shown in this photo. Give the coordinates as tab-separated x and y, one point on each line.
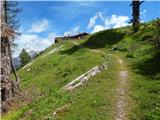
42	21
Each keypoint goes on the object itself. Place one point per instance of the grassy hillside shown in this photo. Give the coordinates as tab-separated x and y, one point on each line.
95	100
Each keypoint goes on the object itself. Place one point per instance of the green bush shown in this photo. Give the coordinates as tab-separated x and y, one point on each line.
130	55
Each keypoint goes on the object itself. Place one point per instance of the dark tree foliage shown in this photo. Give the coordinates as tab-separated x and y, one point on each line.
11	12
11	15
24	57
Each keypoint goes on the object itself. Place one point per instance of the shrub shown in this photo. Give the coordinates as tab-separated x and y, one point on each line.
130	55
156	37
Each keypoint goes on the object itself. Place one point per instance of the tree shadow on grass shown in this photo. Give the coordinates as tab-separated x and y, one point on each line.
150	67
71	50
101	39
98	40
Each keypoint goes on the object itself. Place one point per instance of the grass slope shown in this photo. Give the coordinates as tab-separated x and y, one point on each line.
95	100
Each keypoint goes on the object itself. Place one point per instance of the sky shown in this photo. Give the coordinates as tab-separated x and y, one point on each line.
42	21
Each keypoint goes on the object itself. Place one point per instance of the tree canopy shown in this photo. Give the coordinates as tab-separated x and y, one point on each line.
24	57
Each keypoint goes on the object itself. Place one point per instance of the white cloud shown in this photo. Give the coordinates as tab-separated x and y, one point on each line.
84	3
26	38
98	28
116	21
143	12
143	15
92	21
39	26
94	18
33	42
76	29
113	21
52	36
73	31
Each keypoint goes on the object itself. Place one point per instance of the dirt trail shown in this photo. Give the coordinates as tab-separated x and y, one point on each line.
121	91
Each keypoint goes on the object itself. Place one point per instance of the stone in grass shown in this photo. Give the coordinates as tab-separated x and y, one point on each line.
28	70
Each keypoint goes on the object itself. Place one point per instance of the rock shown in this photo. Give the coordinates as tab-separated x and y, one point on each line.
85	77
28	70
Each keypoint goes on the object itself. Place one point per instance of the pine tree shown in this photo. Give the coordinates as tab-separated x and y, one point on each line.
24	57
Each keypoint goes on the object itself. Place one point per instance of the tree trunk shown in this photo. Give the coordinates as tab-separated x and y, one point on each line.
6	83
135	9
136	13
8	87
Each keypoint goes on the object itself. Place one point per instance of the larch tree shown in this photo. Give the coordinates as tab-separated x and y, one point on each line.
136	14
9	28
